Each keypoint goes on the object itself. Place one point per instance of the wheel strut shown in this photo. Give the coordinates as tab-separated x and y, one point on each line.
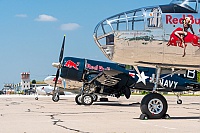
157	81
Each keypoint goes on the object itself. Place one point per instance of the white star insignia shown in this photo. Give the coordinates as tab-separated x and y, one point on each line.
142	78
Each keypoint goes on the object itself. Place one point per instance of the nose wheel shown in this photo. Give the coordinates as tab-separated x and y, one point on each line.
55	97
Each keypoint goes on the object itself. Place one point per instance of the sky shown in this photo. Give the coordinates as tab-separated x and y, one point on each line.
31	32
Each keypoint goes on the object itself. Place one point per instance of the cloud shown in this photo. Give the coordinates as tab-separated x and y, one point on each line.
70	26
21	15
46	18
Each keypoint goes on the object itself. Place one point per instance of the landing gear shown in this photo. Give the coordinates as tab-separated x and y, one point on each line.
95	97
179	101
55	97
36	94
87	99
154	106
78	99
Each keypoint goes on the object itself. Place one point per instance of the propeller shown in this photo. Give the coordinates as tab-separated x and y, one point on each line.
58	65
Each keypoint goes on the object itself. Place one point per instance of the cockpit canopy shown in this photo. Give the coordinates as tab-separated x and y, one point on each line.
192	5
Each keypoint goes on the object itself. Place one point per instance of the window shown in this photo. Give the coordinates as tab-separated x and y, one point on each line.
189	4
129	67
192	5
153	18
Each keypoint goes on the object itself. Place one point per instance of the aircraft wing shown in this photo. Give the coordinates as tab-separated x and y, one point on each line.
114	77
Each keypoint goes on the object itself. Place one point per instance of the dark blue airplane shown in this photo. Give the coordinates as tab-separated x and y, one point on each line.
112	79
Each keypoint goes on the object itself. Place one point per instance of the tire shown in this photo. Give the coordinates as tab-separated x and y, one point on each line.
78	99
154	105
87	99
36	98
95	97
179	101
55	97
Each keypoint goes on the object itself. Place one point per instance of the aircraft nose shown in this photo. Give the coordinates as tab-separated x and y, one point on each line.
48	79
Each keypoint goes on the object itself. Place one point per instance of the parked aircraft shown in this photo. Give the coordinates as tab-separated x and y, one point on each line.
163	36
87	78
43	90
73	87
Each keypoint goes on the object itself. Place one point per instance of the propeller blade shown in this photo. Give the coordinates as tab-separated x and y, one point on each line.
58	65
57	76
62	50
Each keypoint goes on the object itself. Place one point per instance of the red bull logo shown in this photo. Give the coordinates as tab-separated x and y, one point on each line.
97	67
173	20
71	64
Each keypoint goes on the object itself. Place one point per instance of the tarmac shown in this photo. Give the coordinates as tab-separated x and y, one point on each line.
24	114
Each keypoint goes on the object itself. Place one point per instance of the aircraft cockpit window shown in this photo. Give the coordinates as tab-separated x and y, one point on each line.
153	18
189	4
132	20
129	67
137	21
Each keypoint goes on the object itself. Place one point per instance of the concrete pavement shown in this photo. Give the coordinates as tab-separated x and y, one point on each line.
23	114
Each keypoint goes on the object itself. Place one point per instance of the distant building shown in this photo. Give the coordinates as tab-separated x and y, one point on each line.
25	81
8	88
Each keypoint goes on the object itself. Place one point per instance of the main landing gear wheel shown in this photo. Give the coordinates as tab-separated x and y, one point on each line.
36	98
55	97
87	99
179	101
154	105
78	99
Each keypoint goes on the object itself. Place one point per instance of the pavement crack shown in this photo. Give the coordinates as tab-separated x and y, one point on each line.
57	121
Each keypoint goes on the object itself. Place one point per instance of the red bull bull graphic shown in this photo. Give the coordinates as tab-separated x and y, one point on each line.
71	64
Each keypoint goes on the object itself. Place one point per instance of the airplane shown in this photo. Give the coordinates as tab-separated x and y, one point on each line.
83	78
162	37
73	87
43	90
